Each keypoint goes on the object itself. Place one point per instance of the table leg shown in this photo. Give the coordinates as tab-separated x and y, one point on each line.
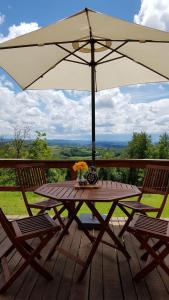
104	228
65	230
75	217
72	216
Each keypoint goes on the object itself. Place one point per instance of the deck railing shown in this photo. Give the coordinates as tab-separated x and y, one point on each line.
109	163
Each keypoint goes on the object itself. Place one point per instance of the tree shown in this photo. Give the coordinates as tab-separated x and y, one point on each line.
18	143
139	147
4	148
39	148
163	146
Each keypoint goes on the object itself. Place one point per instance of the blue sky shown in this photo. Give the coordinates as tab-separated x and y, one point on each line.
66	115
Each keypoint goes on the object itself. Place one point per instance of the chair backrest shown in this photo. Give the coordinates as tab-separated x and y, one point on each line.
31	176
156	180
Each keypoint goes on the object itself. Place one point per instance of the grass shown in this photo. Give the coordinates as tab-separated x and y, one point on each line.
12	204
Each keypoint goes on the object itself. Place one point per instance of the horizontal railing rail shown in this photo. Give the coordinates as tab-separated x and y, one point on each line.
104	163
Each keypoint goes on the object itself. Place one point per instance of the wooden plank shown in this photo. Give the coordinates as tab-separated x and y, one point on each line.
67	279
125	274
33	284
38	288
58	263
15	260
80	290
128	163
10	189
5	244
111	280
141	289
96	277
2	234
5	268
109	277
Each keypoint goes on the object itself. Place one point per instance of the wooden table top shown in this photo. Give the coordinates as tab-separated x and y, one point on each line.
105	191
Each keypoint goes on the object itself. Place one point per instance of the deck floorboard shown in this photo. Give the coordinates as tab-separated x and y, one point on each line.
110	275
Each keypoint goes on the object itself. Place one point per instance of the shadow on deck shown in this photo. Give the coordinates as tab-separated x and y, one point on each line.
109	276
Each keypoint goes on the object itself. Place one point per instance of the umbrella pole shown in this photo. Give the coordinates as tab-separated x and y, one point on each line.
93	83
89	220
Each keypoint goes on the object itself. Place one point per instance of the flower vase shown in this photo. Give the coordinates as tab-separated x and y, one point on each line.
80	178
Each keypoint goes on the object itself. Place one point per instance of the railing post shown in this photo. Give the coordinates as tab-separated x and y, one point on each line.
72	174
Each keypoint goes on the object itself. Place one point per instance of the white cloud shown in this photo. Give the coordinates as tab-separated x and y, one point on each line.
16	30
154	13
60	116
2	19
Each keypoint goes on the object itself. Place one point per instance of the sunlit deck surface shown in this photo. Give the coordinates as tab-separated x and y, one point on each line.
110	275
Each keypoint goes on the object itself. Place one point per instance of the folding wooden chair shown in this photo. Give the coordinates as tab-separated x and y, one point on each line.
30	177
144	228
19	232
156	181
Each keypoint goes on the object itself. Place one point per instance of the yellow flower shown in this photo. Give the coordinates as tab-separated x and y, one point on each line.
80	165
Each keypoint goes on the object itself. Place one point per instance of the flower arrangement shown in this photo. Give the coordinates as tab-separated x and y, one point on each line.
80	167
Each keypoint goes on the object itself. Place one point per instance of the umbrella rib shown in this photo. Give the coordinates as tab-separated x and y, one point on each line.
76	62
112	50
52	67
70	42
73	53
130	40
126	56
41	44
88	20
143	65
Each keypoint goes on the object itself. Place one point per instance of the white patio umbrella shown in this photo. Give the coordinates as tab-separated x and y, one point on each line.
87	51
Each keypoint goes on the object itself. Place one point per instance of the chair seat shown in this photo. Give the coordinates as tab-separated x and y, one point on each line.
137	206
45	204
19	232
154	227
153	235
30	227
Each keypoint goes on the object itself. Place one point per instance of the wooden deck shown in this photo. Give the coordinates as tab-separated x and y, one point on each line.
109	276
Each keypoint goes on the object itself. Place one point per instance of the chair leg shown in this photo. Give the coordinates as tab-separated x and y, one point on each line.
126	224
157	258
13	276
156	247
41	211
9	278
29	254
57	216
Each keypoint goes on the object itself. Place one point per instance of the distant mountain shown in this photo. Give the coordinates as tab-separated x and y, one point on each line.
53	142
106	141
108	144
105	144
80	143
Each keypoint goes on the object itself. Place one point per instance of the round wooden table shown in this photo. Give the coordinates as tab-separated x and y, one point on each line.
105	191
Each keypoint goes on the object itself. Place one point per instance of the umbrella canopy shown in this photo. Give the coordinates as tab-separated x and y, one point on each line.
87	51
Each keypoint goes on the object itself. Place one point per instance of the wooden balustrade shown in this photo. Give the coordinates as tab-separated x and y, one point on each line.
109	163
